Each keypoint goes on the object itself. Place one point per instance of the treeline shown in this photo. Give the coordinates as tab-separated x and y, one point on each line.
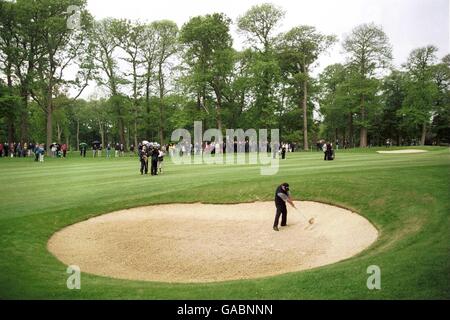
155	77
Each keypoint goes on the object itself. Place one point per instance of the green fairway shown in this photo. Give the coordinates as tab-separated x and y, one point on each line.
406	197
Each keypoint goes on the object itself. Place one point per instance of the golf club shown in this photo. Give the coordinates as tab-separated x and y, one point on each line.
310	221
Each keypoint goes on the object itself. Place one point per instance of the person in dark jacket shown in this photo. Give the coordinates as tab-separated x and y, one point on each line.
154	155
283	152
143	158
329	152
282	196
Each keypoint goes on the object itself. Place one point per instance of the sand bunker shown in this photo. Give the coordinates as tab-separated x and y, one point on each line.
404	151
205	243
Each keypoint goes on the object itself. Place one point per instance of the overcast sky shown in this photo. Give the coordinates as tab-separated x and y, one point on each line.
408	23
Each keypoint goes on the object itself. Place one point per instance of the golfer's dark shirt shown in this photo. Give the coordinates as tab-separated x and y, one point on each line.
280	202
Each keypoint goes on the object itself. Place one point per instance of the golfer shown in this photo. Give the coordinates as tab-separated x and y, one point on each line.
281	197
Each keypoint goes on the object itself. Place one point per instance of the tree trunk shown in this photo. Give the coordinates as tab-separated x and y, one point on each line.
147	106
363	132
343	137
122	132
11	130
424	134
78	135
305	113
363	138
219	113
350	130
135	131
161	127
49	112
128	134
161	104
135	98
24	118
49	128
11	119
120	122
102	133
219	108
58	132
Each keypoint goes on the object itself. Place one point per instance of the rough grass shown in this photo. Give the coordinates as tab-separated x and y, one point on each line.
406	196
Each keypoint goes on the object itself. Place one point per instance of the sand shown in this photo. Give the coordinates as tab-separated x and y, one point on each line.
403	151
206	243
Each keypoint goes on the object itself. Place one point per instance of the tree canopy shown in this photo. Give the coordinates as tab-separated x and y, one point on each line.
153	77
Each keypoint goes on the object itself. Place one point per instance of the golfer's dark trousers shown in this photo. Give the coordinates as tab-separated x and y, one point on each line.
326	155
283	212
154	168
144	166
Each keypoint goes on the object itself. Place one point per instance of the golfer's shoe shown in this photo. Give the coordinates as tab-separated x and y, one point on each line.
276	229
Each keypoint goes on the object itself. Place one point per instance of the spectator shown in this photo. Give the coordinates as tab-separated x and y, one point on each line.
18	150
122	150
41	153
117	149
161	159
108	150
324	149
64	149
53	149
5	149
83	147
25	150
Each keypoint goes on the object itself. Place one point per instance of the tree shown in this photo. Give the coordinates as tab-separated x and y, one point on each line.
130	37
148	49
209	55
393	95
368	51
258	24
166	46
61	48
7	57
337	99
299	50
103	37
9	106
441	118
421	89
21	45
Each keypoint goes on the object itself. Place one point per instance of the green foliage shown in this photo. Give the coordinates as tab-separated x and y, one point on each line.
209	55
421	90
259	23
156	78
